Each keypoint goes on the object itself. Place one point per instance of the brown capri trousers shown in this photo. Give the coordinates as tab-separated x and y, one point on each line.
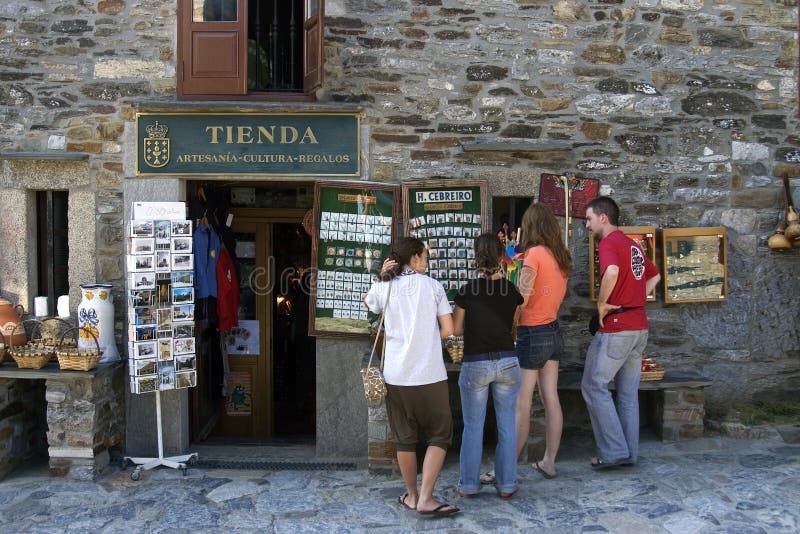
420	411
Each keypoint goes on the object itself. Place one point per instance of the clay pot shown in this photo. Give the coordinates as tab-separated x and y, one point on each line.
792	231
10	317
778	240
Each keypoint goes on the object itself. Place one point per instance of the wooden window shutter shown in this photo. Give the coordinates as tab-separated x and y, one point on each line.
313	60
212	55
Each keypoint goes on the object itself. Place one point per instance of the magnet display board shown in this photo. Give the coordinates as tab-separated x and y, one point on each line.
354	226
447	215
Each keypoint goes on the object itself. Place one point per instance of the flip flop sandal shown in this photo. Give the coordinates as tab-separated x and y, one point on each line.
488	478
602	464
443	510
544	473
402	500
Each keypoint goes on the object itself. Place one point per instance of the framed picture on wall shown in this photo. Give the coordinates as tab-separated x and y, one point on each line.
644	236
695	265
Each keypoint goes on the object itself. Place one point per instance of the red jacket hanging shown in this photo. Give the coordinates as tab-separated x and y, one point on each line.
227	292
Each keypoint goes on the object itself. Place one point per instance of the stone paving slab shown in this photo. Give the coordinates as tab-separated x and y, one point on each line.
707	485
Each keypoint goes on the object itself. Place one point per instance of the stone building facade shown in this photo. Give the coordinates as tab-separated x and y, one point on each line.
685	110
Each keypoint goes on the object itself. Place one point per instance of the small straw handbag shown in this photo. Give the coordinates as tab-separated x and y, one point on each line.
374	386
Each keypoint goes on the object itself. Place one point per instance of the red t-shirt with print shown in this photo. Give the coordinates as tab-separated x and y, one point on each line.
635	268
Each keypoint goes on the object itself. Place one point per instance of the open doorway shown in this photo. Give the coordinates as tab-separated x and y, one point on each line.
267	360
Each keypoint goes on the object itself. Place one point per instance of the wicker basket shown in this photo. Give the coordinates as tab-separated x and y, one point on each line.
72	358
33	355
654	374
455	348
75	359
30	358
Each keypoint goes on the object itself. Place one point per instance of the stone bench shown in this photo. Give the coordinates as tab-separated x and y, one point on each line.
673	406
80	413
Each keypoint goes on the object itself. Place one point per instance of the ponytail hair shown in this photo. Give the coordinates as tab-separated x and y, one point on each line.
402	252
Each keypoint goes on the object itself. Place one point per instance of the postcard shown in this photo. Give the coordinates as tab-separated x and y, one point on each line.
182	295
183	312
146	384
141	315
181	228
141	263
142	228
164	346
182	262
166	377
186	379
182	278
142	245
145	297
145	333
184	363
181	245
163	263
182	330
146	349
183	346
148	366
162	231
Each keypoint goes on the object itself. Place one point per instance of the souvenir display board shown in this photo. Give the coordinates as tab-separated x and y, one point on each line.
161	342
355	224
645	237
447	215
695	265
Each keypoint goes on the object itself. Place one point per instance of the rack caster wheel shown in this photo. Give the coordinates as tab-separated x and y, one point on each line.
184	470
135	475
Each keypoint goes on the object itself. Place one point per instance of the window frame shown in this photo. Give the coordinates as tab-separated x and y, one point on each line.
194	88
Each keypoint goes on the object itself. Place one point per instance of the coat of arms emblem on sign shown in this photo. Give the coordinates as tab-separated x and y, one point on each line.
156	145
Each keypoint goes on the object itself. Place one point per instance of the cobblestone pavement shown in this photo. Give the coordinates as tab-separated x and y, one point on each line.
715	484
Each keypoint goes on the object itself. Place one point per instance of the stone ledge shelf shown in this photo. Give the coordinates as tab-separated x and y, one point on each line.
48	156
511	146
83	414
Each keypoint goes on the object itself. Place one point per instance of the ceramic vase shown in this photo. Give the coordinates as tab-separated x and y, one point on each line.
96	316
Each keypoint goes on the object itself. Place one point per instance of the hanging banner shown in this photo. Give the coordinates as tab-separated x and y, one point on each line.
261	144
582	191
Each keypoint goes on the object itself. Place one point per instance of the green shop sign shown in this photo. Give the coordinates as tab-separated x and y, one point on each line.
263	144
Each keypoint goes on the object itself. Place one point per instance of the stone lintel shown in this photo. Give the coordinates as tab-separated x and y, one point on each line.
70	452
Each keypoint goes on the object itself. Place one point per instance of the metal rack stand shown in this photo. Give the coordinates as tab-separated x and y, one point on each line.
175	462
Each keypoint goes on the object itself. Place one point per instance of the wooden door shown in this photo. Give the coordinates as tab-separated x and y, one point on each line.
248	411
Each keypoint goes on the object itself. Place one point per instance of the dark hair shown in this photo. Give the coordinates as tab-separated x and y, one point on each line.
488	253
540	227
402	252
605	206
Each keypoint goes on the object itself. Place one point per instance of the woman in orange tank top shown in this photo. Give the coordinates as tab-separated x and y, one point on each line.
540	341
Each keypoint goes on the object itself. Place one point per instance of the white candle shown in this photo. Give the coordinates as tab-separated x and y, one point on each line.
40	307
63	306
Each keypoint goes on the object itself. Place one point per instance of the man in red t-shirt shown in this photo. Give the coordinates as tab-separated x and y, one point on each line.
627	277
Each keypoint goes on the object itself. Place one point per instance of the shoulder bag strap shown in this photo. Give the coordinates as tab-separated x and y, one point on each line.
378	334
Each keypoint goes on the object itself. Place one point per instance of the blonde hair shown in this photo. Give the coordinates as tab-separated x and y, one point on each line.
540	227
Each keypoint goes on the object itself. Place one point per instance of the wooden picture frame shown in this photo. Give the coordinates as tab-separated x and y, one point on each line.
695	264
355	224
645	236
447	215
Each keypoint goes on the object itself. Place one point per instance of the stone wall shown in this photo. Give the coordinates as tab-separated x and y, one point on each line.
685	110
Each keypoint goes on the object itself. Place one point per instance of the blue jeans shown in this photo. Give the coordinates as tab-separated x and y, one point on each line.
503	376
614	356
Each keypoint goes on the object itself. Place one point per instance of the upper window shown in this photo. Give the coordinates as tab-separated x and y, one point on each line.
234	49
